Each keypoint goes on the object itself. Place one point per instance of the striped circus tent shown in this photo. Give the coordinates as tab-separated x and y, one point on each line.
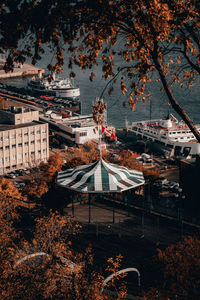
100	177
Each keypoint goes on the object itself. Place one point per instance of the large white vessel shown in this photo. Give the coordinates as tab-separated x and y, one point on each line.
170	133
57	87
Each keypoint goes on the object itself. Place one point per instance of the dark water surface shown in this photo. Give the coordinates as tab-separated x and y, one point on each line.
189	98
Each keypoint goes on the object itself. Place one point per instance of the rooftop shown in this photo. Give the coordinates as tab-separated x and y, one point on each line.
16	109
75	121
4	127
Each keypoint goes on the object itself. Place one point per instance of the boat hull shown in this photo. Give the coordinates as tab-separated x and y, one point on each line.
141	130
71	93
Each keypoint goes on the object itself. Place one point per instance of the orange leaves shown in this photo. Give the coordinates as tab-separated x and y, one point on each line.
181	264
187	74
98	110
143	99
3	103
132	101
130	162
123	87
114	264
52	231
107	68
92	76
35	190
54	164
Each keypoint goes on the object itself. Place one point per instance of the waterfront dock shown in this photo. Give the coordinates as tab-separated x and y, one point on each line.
19	70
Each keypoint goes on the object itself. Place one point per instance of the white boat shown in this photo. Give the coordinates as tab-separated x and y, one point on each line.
57	87
170	133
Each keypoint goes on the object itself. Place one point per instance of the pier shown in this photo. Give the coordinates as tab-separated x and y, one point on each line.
19	70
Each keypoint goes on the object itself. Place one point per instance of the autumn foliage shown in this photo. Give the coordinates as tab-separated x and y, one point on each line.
9	202
3	103
181	268
47	267
128	161
84	155
43	179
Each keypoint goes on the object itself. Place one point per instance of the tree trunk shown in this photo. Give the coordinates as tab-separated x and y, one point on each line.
176	106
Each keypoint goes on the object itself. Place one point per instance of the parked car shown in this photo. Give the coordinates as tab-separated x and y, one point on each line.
10	176
145	156
21	172
149	160
19	184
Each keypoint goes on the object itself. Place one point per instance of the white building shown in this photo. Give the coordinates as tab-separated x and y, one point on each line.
24	140
77	129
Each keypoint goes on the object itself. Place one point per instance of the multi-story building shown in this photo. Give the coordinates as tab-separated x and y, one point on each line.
24	140
78	129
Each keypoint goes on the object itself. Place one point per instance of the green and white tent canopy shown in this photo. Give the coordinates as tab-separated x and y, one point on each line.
100	177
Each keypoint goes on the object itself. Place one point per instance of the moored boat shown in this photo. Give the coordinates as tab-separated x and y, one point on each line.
57	87
169	132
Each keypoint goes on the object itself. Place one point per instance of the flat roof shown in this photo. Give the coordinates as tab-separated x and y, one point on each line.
4	127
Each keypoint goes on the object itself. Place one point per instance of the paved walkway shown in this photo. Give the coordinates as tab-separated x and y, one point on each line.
134	235
122	222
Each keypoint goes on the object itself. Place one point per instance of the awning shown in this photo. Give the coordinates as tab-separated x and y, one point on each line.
100	177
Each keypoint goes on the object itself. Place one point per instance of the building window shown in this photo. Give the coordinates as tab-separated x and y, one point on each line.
38	132
19	135
38	141
44	140
39	151
7	147
1	138
32	133
32	153
13	146
20	145
26	134
7	159
26	143
1	148
14	166
32	142
83	133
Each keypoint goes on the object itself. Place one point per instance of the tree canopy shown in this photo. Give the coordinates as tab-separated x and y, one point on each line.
180	268
153	39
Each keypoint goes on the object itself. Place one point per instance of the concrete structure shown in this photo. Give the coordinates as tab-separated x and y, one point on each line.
20	70
24	140
77	129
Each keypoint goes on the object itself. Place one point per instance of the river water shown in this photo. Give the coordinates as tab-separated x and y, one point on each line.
189	98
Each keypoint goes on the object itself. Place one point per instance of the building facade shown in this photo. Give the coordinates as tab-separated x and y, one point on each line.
78	130
24	140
